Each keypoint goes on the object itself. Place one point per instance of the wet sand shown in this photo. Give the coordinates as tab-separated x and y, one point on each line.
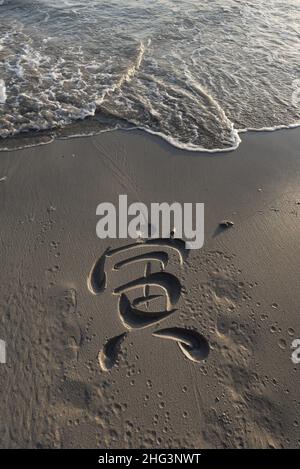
240	292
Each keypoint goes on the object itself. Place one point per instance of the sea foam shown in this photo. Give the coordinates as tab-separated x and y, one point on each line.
3	95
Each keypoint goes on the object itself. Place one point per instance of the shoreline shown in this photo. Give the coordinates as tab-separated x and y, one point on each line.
240	291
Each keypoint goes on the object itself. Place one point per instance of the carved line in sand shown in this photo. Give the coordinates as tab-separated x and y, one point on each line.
108	356
191	343
97	279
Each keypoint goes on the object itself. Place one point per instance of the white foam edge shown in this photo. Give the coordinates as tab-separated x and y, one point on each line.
172	141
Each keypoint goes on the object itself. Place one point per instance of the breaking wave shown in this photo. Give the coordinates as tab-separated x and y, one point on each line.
196	73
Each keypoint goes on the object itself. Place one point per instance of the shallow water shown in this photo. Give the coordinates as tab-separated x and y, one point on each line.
194	72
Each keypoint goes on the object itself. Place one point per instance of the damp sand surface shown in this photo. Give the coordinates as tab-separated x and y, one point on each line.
199	356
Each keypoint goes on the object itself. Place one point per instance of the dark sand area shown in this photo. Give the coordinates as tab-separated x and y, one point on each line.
241	291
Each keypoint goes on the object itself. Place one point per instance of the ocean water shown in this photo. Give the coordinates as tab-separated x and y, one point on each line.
196	72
